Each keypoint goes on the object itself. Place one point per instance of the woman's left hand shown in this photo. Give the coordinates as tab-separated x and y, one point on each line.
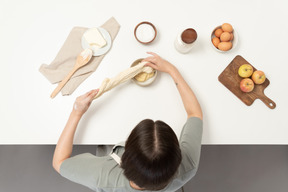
83	102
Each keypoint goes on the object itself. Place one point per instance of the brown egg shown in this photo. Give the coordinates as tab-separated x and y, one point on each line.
227	27
225	46
218	32
215	41
225	36
232	36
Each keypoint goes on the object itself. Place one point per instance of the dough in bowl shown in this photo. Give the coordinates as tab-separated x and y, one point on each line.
141	77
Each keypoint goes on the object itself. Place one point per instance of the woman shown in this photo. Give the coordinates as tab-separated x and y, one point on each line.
152	157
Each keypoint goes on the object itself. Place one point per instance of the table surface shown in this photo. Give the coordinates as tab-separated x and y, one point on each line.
32	32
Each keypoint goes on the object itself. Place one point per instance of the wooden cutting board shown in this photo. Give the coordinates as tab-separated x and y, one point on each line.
231	80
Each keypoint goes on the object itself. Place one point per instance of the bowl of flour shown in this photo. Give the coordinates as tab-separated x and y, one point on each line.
145	32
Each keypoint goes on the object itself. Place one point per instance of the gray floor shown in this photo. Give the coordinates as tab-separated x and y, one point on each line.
27	168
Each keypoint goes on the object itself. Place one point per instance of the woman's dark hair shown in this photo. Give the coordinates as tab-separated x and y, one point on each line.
152	155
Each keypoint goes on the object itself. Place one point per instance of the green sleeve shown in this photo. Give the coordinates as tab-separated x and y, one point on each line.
84	169
190	143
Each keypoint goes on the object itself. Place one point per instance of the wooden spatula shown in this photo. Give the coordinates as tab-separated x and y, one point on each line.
82	59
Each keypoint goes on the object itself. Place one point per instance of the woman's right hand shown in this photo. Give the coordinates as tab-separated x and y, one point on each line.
156	62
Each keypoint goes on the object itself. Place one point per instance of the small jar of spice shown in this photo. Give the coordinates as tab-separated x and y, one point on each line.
185	40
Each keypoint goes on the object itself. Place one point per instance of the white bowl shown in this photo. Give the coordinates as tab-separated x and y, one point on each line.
147	82
152	38
234	41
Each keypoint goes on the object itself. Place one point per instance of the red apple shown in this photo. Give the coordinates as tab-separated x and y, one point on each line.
258	77
246	85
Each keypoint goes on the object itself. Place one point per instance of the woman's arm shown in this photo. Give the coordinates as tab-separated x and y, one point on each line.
64	146
188	97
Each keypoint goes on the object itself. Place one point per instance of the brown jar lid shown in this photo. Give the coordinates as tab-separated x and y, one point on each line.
189	35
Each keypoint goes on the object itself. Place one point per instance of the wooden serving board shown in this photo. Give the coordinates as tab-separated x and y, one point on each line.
231	80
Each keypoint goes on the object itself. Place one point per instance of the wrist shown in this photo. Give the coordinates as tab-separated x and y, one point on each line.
76	114
173	71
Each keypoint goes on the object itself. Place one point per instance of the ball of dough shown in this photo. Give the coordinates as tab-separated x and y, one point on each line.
141	77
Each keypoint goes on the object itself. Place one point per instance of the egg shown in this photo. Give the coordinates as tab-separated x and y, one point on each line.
232	36
218	32
225	46
225	36
215	41
227	27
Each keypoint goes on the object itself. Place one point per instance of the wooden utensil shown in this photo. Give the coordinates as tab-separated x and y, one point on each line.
231	80
82	59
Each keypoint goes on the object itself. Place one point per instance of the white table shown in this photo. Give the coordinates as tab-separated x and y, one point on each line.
32	32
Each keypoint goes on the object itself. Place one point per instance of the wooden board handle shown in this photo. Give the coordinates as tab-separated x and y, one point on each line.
268	102
62	83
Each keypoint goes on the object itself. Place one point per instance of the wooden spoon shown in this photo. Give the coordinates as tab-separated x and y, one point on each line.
82	59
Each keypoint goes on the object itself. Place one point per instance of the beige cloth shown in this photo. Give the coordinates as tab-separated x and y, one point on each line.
122	77
66	58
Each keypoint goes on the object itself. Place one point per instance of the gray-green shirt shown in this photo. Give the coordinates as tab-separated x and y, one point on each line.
103	174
